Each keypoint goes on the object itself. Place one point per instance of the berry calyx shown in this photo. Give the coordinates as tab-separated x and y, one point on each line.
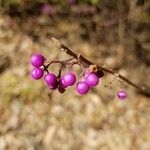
37	60
37	73
82	87
68	79
92	79
121	95
50	79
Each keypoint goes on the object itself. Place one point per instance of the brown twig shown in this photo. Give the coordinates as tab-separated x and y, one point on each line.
86	63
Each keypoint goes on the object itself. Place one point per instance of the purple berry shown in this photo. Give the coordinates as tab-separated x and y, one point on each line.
82	87
53	87
50	79
92	79
48	9
68	79
121	95
99	73
37	73
62	84
37	60
72	2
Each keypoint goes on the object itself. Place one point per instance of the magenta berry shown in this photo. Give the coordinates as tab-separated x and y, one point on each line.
86	72
37	73
50	79
82	87
72	2
53	87
121	95
68	79
62	84
37	60
92	79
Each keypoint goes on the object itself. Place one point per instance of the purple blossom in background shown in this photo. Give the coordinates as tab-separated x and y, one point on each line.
48	9
72	2
91	10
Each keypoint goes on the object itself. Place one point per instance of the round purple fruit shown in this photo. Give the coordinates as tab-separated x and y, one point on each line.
50	79
37	73
53	87
68	79
121	95
82	87
62	84
92	79
37	60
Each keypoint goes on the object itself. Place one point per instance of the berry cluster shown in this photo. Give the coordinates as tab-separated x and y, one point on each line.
90	79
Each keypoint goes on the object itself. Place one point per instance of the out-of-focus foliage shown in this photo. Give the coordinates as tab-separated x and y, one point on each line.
58	2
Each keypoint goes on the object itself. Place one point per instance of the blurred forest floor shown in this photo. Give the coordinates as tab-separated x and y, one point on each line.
114	35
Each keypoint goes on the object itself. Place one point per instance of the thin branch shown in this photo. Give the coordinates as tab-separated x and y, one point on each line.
58	62
63	63
141	89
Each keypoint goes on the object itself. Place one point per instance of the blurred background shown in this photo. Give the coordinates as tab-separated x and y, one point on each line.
112	33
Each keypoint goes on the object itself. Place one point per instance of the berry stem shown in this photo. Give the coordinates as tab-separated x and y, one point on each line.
63	63
58	62
60	71
86	63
